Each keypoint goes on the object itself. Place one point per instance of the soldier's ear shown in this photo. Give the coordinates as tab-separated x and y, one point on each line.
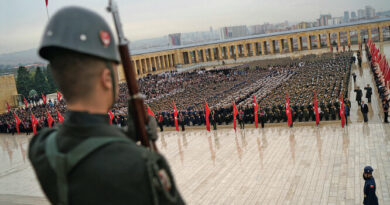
105	79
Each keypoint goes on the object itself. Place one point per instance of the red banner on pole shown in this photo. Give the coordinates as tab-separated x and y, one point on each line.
256	109
316	109
342	111
175	116
17	122
111	116
235	112
207	110
288	111
150	112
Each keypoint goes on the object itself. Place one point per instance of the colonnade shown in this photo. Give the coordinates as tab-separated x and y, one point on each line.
256	46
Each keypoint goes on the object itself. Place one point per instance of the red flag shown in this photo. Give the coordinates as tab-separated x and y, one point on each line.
58	96
34	123
207	116
49	119
43	98
150	111
25	102
343	47
256	117
17	122
8	107
47	2
331	48
175	115
60	118
288	111
111	116
342	111
235	112
316	109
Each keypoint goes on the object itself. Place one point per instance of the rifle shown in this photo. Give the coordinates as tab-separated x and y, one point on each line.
136	102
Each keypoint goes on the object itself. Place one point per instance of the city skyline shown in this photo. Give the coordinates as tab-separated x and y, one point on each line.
162	19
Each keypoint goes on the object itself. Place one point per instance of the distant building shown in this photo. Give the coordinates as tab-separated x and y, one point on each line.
361	13
304	25
233	31
335	21
370	12
353	15
346	16
323	20
174	39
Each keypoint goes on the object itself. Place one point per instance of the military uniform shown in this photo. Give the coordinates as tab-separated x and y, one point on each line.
120	172
369	189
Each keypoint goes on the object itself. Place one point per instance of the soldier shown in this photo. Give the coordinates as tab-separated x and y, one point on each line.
359	95
161	122
85	160
364	109
368	92
370	197
385	105
354	77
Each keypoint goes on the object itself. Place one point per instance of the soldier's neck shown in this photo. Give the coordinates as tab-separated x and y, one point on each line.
93	108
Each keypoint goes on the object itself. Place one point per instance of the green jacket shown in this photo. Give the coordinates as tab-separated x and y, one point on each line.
116	173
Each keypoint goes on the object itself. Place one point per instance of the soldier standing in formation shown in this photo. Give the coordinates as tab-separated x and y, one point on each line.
359	94
368	92
369	189
85	160
364	109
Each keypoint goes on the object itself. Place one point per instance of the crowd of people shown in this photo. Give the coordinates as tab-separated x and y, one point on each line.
383	90
267	80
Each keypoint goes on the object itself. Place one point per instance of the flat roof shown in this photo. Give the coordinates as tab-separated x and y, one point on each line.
153	50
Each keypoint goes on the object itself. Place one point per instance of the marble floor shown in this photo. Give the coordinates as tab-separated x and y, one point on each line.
274	165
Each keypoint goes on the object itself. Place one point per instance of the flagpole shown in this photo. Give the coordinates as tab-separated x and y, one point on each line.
47	12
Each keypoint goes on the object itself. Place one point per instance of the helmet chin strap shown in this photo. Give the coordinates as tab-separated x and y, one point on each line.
109	66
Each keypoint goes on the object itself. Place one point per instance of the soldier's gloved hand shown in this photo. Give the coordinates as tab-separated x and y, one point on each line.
151	129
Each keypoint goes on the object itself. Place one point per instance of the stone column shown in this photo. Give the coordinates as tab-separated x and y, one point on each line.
154	62
263	48
135	67
196	56
228	52
143	61
359	37
171	60
245	50
319	41
280	45
164	62
219	53
189	57
236	51
308	40
369	33
338	40
290	44
299	39
167	61
272	46
348	37
158	64
328	39
253	45
204	55
380	33
211	54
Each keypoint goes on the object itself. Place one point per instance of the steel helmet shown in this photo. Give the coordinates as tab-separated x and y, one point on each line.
80	30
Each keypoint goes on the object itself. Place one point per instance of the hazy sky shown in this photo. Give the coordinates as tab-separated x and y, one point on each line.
22	21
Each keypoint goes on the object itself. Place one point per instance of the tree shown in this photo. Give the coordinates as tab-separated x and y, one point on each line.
50	80
40	82
23	81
